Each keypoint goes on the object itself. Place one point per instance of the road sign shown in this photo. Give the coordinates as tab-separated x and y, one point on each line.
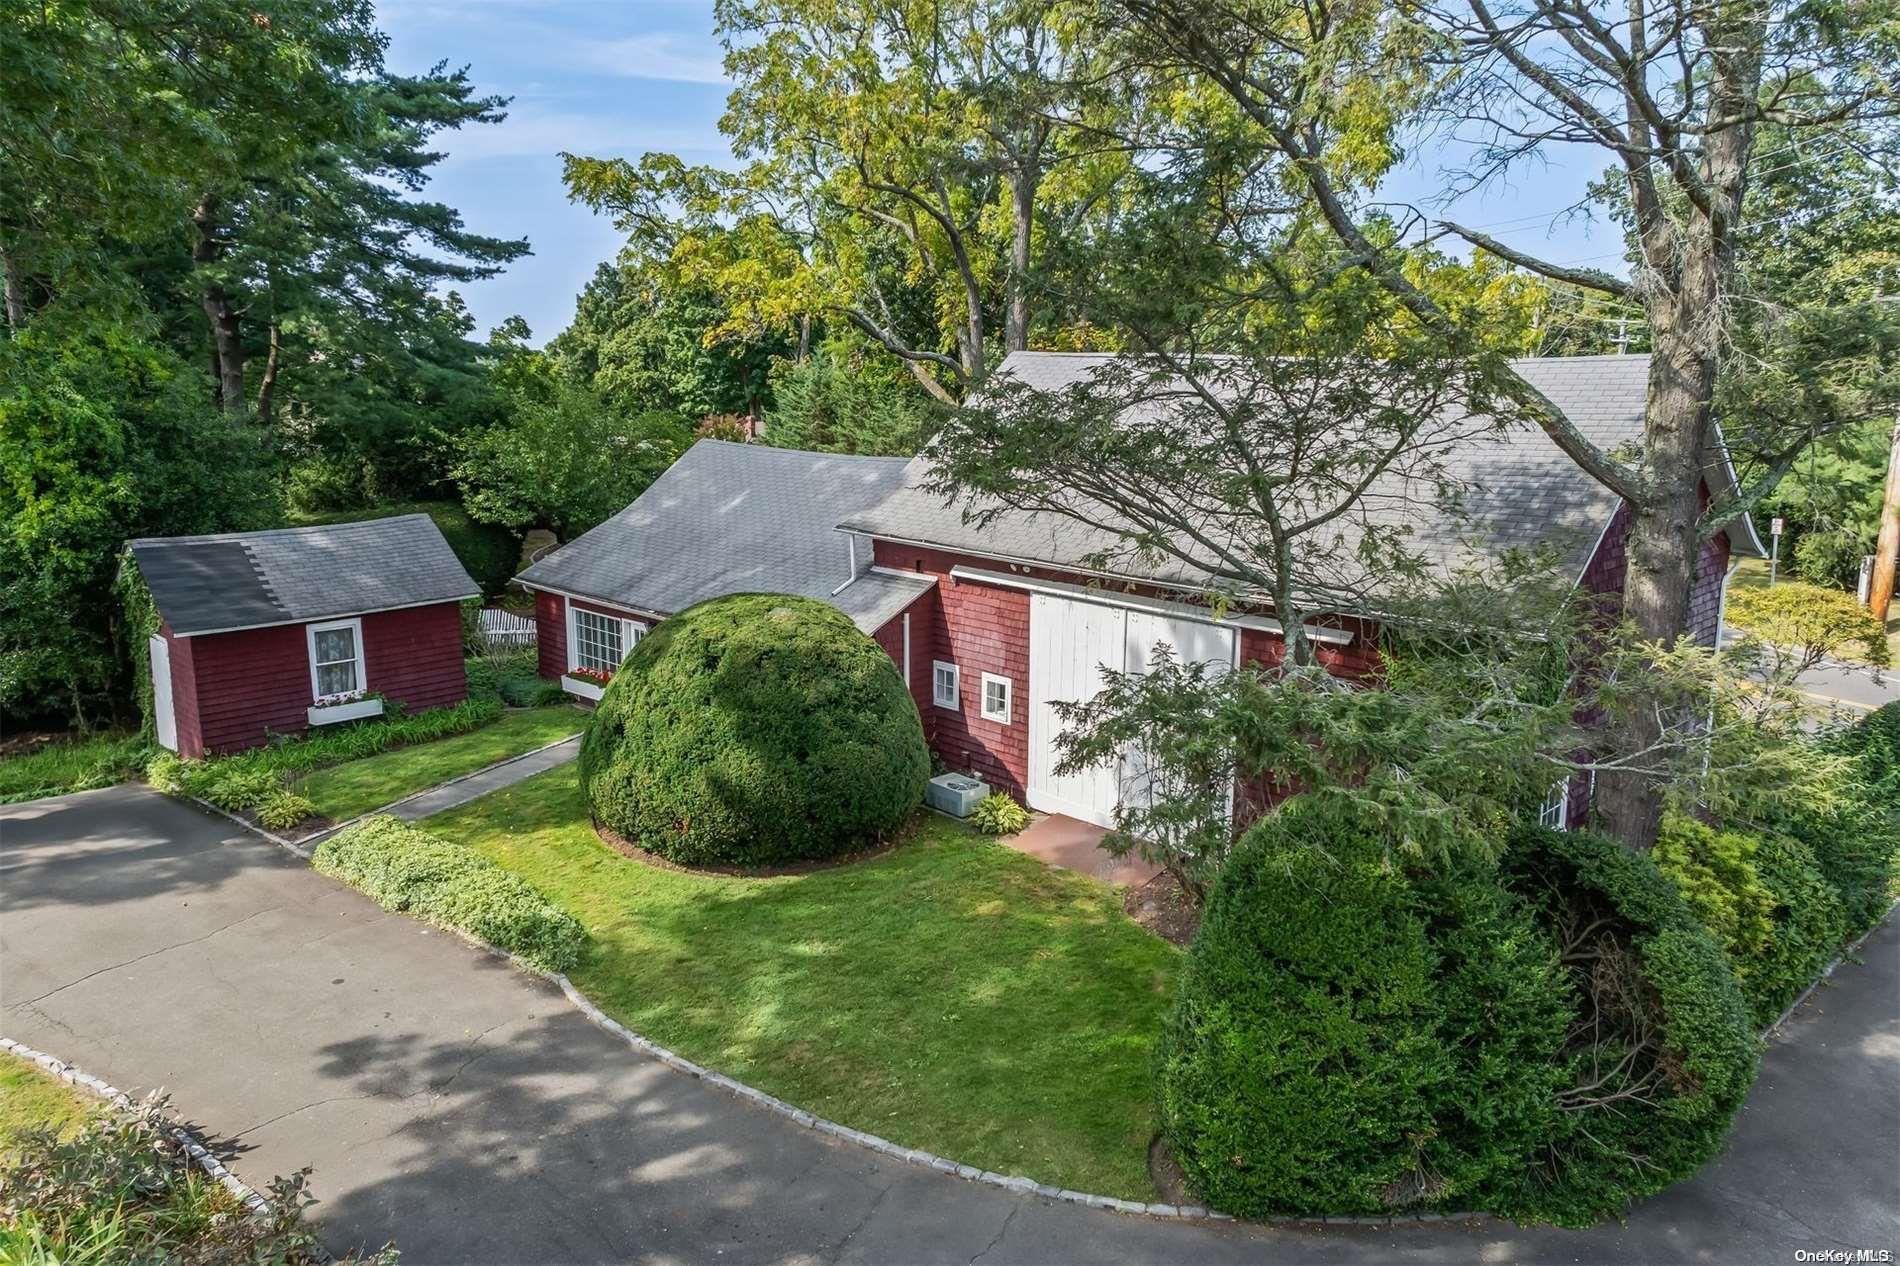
1776	529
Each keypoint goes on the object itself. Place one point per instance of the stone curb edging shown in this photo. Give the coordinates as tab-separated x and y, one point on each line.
193	1147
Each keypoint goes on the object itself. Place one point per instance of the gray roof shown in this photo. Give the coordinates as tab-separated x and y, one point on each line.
1522	490
242	580
738	518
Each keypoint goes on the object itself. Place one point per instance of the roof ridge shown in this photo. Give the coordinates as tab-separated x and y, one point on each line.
288	530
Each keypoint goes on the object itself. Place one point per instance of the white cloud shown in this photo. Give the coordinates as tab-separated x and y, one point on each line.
658	55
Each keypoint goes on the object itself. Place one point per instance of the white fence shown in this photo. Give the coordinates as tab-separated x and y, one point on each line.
505	628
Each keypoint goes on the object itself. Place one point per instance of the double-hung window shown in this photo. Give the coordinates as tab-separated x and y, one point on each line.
1553	812
599	642
336	658
944	680
996	697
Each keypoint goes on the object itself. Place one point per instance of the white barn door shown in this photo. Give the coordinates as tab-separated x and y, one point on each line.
1068	641
1192	643
164	717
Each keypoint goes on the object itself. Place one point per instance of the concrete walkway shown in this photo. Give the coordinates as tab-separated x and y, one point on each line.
466	1110
1071	844
494	778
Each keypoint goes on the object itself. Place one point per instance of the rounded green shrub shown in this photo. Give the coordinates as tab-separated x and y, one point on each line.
1351	1038
999	814
754	730
1661	1050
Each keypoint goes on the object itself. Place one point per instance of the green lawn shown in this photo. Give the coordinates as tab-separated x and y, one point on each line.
952	995
31	1099
343	791
78	765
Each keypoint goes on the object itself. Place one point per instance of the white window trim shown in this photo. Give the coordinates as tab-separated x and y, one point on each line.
310	647
956	685
1556	805
1009	698
631	631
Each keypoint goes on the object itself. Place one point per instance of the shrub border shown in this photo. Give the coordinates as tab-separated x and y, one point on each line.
1847	951
193	1146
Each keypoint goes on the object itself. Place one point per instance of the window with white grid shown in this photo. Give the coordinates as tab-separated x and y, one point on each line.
943	684
601	641
996	692
1552	813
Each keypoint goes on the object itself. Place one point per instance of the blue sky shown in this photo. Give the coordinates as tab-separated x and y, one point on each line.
622	77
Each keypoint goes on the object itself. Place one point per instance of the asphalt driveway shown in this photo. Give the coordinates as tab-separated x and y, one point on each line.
465	1110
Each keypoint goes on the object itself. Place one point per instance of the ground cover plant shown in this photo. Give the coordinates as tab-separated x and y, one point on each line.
80	764
250	780
343	791
97	1184
755	730
951	994
402	868
999	814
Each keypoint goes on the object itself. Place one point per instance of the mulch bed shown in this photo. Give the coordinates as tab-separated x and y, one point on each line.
1160	906
620	844
1166	1174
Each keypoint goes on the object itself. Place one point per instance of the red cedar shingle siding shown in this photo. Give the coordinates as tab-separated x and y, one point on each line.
981	629
184	695
415	655
250	685
550	633
550	629
1609	568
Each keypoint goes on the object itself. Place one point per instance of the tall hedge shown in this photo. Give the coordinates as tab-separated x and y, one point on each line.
1765	900
755	730
1661	1050
1349	1037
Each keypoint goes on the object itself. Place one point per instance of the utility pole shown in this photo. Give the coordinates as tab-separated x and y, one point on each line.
1887	548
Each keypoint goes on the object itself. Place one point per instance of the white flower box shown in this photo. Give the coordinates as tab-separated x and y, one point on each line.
354	710
583	688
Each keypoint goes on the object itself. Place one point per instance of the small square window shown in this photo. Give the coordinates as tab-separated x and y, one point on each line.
944	682
996	693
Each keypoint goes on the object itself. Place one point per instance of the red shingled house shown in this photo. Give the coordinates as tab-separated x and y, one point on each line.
991	626
277	632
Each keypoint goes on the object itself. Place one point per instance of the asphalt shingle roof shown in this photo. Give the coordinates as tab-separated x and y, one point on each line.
240	580
1522	490
738	518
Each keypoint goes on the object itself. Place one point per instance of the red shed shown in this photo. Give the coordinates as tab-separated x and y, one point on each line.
270	633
